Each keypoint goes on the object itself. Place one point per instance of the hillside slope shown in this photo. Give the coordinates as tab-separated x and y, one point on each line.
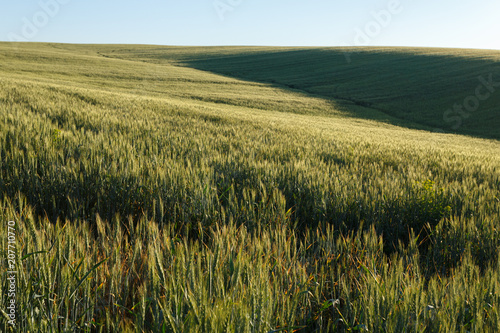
448	90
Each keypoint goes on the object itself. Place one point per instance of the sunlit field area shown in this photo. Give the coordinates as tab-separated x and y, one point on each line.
244	189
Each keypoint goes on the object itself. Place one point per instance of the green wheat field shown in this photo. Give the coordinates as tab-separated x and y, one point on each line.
250	189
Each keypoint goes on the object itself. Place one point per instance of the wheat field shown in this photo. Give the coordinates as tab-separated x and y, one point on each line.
155	190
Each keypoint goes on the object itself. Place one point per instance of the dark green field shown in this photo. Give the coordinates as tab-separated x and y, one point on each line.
250	189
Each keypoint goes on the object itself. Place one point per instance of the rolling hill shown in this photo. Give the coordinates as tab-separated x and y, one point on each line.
414	86
248	189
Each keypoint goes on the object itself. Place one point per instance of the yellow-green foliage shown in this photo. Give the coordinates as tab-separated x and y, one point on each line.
164	198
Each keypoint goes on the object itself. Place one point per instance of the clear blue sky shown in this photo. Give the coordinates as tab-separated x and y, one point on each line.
445	23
